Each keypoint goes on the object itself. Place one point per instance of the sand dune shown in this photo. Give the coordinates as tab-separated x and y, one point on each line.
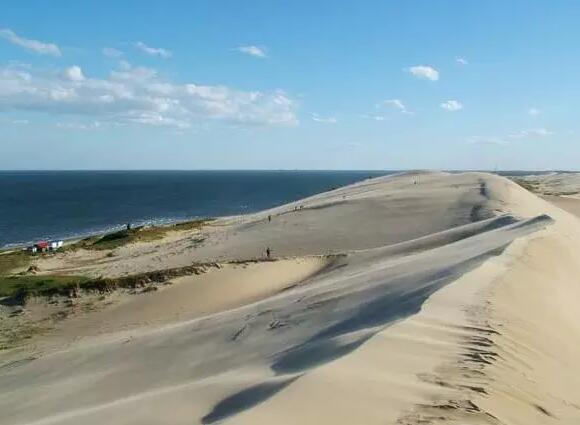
450	299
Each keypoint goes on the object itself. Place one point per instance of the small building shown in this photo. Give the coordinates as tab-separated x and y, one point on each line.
45	246
42	246
54	245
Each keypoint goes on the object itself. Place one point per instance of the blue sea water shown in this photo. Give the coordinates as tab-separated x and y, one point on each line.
66	204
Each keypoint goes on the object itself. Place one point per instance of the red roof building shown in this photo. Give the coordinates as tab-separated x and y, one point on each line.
41	244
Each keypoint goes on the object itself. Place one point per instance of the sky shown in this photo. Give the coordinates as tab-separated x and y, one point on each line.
212	84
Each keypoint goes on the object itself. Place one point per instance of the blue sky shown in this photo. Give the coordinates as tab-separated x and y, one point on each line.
290	85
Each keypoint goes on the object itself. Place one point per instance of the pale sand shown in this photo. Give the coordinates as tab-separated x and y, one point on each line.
443	310
556	183
189	297
570	204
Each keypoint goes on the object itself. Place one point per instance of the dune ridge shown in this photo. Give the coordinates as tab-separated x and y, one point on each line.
440	307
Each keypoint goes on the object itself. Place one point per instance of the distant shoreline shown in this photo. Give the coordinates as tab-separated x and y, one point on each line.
78	238
109	212
71	205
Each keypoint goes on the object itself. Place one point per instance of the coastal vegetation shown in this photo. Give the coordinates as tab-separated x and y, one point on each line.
27	282
536	187
530	185
11	260
24	285
138	234
21	285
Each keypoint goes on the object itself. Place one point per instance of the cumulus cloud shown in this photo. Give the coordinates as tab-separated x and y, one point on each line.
461	60
153	51
534	112
111	52
324	120
451	105
259	52
74	73
139	95
26	43
424	72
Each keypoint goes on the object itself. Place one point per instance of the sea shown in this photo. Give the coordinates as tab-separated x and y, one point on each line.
38	205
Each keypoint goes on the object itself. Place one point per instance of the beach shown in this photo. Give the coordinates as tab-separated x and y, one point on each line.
417	298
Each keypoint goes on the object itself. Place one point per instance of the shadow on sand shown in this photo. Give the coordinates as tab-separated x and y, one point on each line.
369	311
331	343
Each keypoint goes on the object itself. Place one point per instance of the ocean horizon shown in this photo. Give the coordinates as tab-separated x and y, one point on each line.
68	204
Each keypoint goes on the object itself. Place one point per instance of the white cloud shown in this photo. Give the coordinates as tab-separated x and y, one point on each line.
534	132
461	60
111	52
374	117
520	135
534	112
139	95
74	73
135	74
325	120
34	45
424	72
80	126
259	52
451	105
397	104
153	51
21	122
494	141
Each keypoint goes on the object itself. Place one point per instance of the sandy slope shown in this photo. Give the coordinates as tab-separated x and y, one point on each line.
185	298
369	214
556	183
454	303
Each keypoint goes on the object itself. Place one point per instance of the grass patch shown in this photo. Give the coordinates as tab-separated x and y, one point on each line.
19	287
33	285
13	260
530	185
138	234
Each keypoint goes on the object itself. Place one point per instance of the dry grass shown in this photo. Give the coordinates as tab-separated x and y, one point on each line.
13	260
138	234
530	185
23	286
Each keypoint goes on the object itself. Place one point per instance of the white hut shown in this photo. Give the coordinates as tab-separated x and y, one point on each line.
54	245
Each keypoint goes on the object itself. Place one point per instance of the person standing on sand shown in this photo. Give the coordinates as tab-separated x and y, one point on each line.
268	252
269	218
